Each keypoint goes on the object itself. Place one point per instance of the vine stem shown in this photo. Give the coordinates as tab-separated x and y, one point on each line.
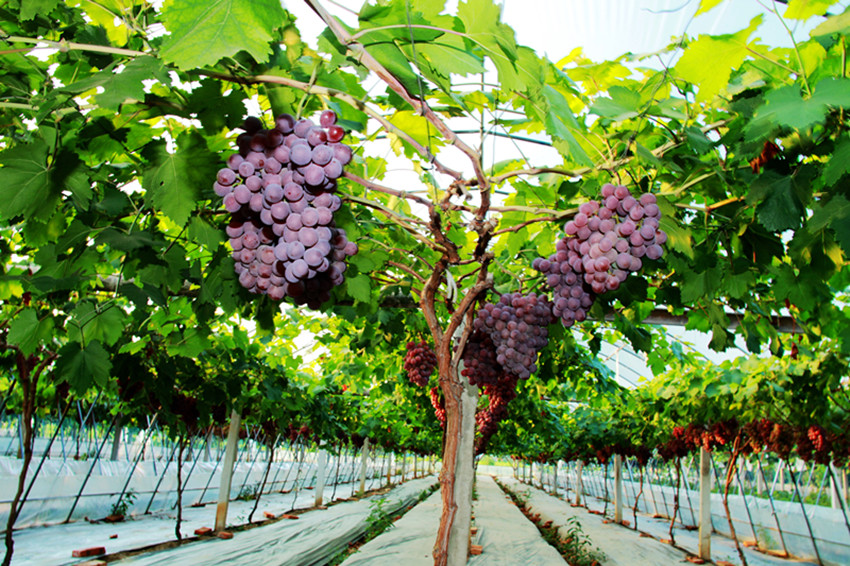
368	61
345	97
65	46
802	71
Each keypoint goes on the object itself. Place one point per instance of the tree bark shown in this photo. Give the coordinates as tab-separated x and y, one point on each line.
29	369
182	441
730	472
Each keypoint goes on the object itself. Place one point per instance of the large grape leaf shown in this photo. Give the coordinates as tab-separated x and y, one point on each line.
173	180
27	332
708	62
83	367
204	31
104	324
779	207
27	188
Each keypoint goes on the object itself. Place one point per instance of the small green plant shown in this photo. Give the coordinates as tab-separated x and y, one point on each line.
248	492
379	519
124	502
575	547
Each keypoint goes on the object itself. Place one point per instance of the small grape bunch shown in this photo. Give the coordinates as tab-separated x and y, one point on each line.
419	362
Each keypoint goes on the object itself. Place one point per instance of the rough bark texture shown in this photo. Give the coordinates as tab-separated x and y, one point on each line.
637	499
675	501
182	445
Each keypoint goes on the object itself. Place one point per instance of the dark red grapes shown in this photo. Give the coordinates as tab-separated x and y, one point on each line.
419	362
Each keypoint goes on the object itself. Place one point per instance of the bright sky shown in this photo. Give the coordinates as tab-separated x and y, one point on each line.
604	29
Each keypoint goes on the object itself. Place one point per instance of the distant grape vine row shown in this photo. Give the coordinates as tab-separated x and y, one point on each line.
279	189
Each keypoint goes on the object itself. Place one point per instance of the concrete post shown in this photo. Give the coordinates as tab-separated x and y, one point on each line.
227	471
705	526
618	488
321	477
364	461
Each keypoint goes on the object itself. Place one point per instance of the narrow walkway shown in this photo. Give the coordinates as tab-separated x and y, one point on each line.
507	536
623	546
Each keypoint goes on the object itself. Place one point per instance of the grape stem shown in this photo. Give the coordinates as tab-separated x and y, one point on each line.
380	188
368	61
65	46
345	97
396	219
407	269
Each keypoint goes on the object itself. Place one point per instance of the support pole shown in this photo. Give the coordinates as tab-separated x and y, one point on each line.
579	483
618	488
322	476
227	471
705	526
364	461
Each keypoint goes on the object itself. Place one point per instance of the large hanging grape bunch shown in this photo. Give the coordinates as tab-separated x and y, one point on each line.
279	189
419	362
604	242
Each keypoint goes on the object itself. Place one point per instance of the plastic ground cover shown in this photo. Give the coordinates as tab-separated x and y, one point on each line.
313	539
623	546
410	542
144	530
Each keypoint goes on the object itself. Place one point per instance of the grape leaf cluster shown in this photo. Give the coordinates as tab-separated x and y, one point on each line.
419	362
279	189
605	241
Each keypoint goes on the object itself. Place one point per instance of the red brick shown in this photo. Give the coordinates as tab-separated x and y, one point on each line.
203	531
289	516
269	515
86	552
225	535
476	549
113	536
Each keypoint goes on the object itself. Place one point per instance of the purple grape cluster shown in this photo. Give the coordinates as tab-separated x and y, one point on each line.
279	189
518	327
604	242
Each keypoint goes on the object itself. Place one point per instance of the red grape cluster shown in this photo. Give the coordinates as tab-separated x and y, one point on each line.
517	325
439	406
479	360
419	362
604	242
279	188
500	393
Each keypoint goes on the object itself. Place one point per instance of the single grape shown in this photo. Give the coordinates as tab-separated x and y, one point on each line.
284	123
327	118
226	176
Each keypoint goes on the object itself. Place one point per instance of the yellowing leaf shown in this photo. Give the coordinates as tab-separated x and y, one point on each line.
706	5
805	9
709	61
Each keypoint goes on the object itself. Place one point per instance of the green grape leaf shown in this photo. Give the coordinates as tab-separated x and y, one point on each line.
624	103
779	207
204	31
805	9
27	332
27	187
359	288
205	234
31	8
173	180
87	323
83	367
127	85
